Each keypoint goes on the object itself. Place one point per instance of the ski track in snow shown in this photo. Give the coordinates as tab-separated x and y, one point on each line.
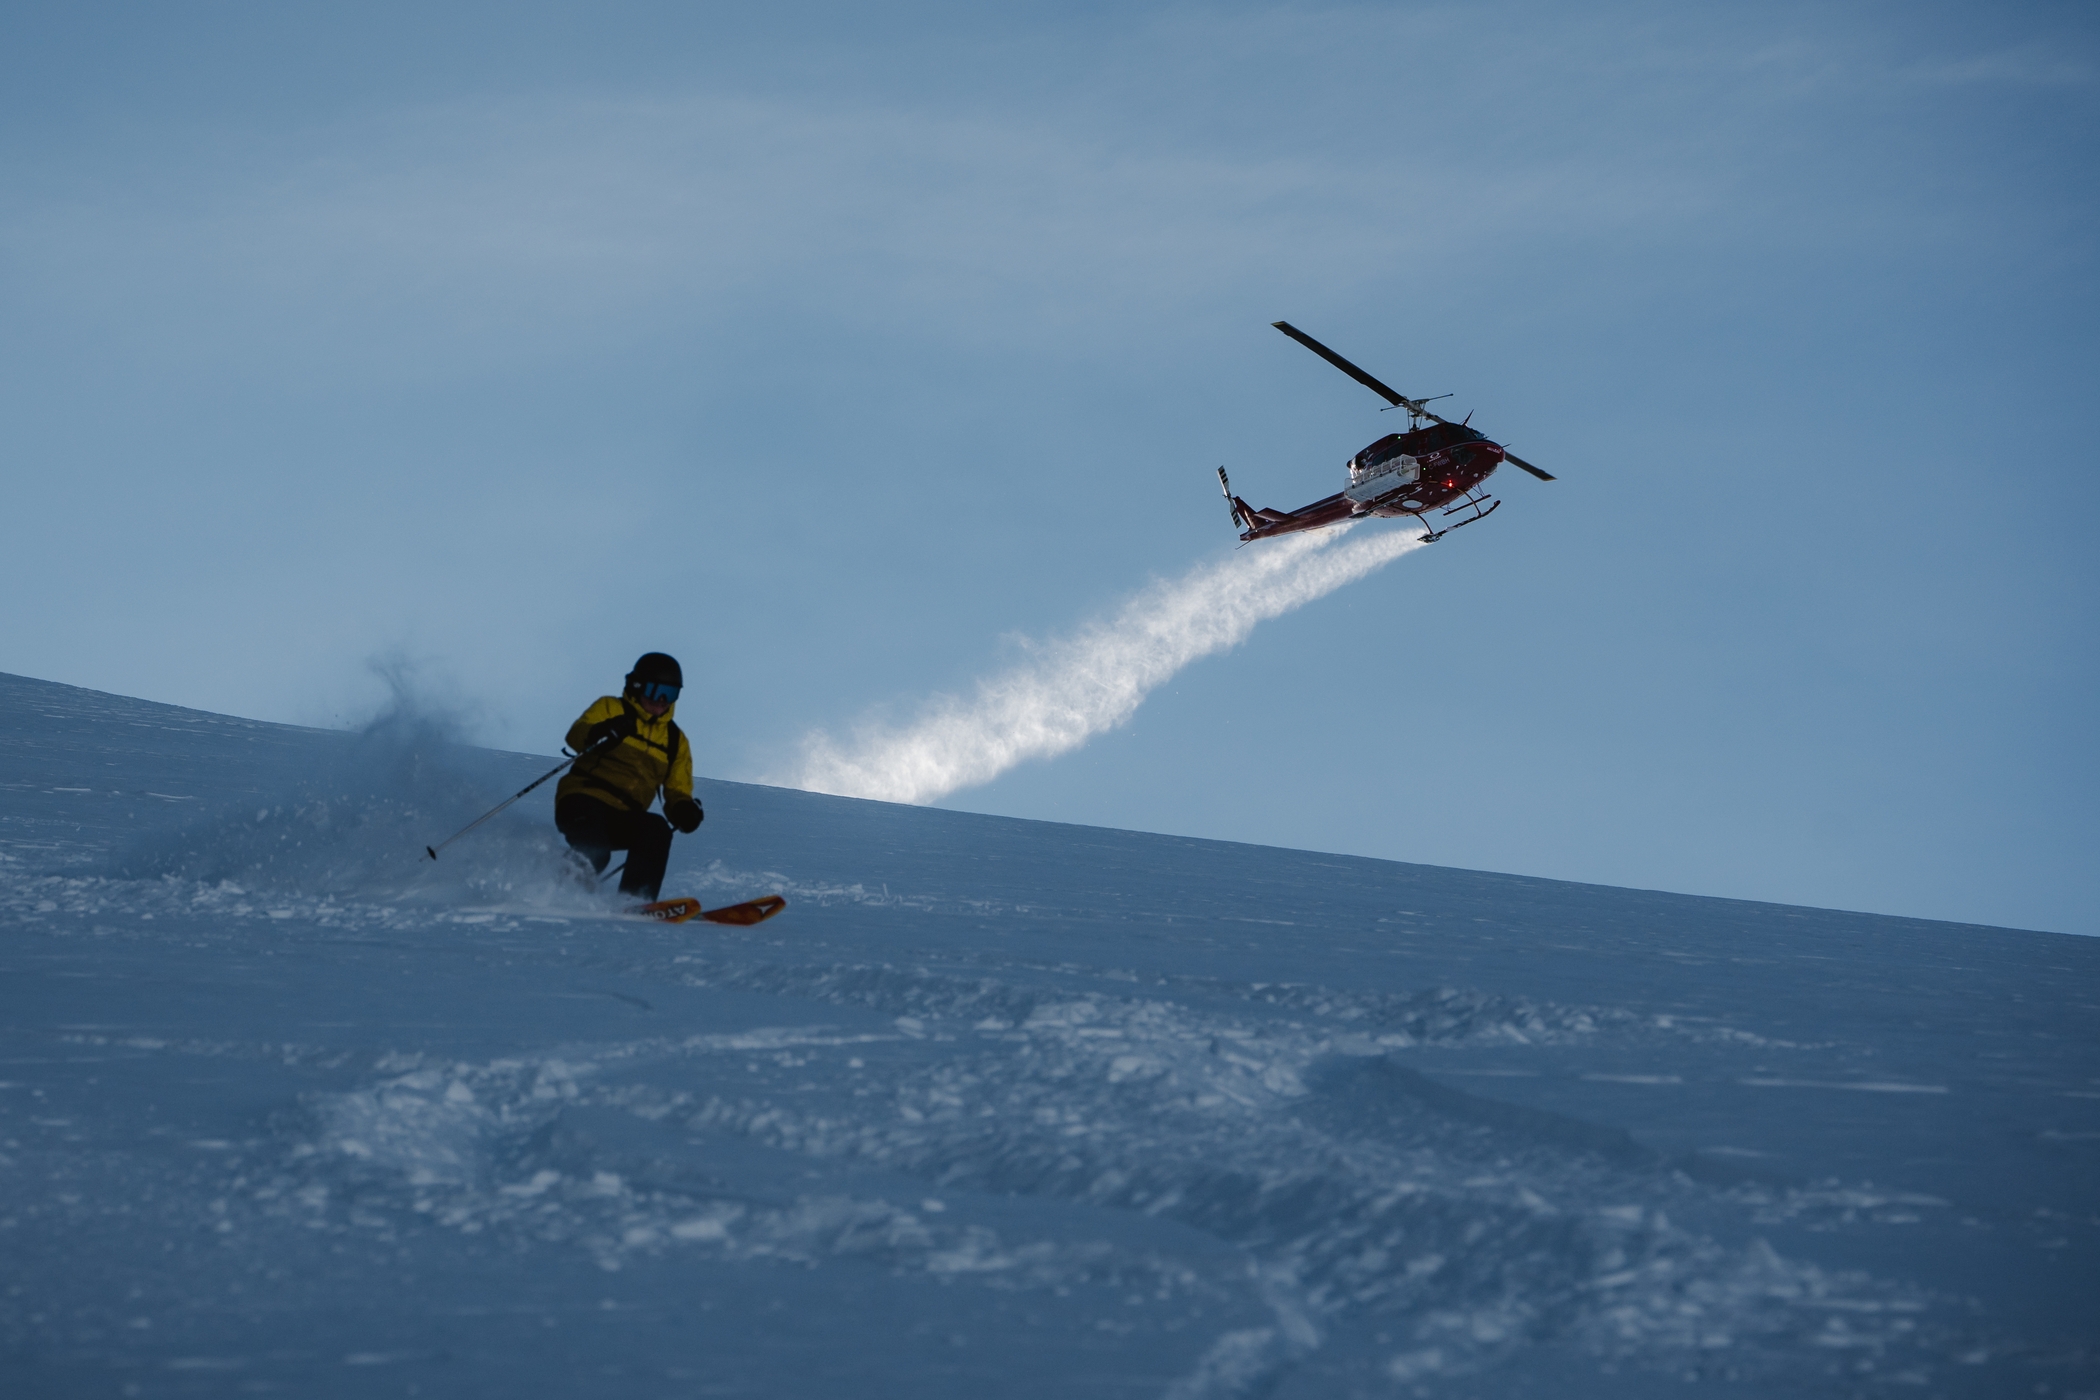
1472	1243
1281	1185
1468	1241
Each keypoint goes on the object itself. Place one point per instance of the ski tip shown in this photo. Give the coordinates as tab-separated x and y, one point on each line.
751	911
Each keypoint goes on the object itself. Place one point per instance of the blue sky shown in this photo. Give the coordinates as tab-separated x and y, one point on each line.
845	352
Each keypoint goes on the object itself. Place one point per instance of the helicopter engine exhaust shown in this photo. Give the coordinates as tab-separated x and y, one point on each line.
1094	680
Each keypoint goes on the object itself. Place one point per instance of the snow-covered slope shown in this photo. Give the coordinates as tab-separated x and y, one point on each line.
996	1108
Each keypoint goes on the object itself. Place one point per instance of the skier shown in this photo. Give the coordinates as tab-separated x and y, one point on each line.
602	804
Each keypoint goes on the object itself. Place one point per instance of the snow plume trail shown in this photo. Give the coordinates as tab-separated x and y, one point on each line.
349	815
1077	687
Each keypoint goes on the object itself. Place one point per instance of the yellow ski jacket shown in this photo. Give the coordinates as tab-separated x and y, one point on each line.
630	773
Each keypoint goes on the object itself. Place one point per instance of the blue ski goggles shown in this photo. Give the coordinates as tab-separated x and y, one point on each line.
657	692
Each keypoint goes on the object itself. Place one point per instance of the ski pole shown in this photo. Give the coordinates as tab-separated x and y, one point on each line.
602	743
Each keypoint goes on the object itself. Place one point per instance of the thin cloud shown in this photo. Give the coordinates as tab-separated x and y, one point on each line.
516	227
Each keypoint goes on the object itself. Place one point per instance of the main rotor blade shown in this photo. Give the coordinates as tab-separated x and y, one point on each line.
1395	399
1514	460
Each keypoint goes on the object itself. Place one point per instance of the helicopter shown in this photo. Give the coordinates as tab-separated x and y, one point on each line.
1438	467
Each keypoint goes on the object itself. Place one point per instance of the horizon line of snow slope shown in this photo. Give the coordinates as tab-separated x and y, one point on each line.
1085	1110
1079	686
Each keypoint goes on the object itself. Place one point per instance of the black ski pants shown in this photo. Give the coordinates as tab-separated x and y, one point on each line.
596	831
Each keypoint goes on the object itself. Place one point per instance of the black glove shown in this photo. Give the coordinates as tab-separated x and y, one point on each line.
609	731
684	813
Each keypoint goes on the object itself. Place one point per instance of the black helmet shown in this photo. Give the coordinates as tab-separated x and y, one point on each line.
655	666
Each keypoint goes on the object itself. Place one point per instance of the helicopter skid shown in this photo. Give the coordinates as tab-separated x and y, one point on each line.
1432	536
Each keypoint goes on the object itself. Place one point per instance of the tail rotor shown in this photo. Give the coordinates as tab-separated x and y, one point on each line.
1239	513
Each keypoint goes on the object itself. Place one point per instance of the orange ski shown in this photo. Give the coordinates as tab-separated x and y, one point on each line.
670	911
678	911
